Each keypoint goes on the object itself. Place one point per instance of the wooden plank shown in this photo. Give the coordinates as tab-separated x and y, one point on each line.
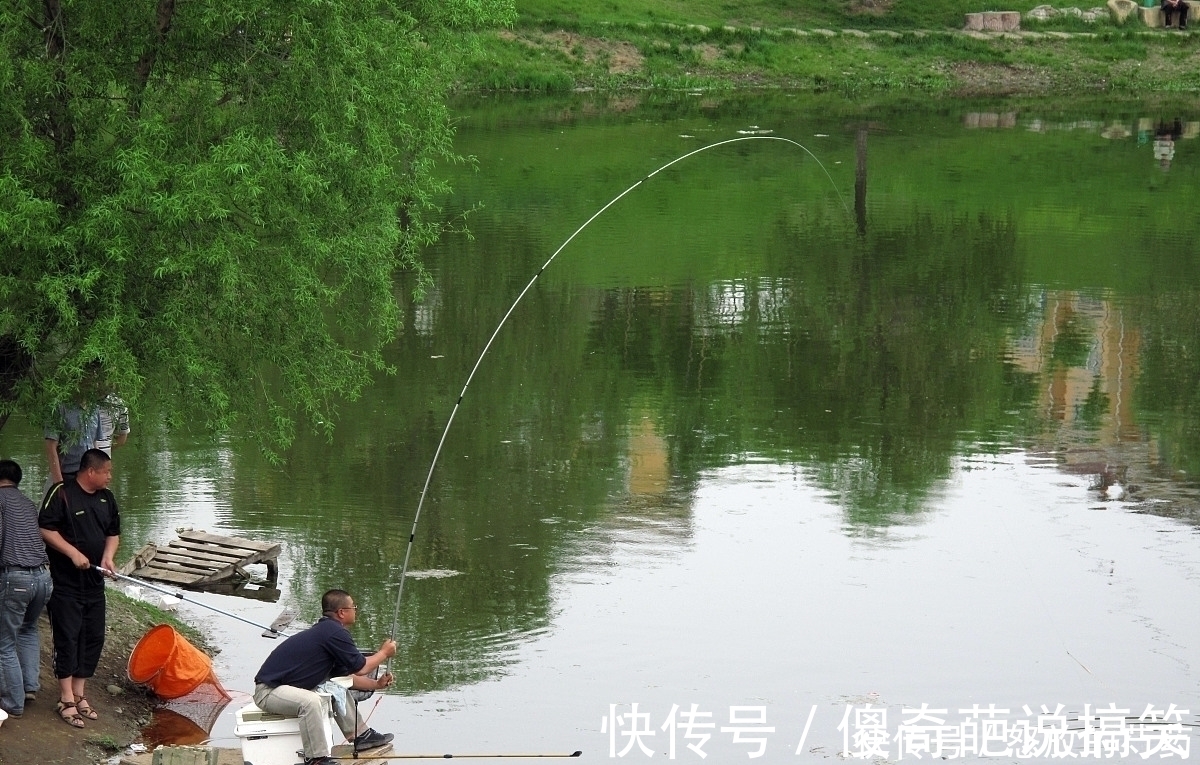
180	567
173	577
139	559
216	539
166	556
222	553
178	549
214	549
235	567
244	557
219	574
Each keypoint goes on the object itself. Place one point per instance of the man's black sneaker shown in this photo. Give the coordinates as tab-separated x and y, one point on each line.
371	738
320	761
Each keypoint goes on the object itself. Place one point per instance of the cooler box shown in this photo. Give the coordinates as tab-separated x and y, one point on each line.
269	739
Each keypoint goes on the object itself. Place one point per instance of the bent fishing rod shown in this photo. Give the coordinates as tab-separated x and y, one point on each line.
437	452
271	632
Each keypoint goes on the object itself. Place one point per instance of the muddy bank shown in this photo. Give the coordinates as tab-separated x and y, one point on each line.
40	735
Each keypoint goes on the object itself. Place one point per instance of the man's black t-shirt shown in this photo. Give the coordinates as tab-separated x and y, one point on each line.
309	658
86	521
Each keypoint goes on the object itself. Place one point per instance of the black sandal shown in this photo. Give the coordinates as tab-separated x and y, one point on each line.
74	719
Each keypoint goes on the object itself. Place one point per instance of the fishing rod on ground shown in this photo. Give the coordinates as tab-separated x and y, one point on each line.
437	452
272	632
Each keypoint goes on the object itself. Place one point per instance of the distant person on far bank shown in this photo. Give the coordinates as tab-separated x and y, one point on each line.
1170	8
25	587
81	526
285	684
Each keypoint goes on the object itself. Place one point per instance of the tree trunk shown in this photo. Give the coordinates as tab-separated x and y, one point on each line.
163	17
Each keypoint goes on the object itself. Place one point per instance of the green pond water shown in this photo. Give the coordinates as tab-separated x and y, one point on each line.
793	437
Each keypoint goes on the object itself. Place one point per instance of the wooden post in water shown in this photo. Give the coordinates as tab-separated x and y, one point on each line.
860	179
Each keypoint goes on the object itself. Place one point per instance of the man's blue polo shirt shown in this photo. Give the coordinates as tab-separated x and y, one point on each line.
309	658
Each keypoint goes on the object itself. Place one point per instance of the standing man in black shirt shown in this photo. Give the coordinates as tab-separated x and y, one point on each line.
82	528
325	650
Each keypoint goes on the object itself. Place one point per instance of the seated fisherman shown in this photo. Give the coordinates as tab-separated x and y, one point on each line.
284	685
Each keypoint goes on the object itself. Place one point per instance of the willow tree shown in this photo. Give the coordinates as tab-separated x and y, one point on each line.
207	202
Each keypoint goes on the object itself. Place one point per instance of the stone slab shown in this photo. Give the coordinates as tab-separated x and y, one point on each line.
1121	9
223	756
1151	17
993	21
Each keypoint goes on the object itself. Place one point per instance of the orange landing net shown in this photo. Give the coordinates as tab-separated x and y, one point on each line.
165	662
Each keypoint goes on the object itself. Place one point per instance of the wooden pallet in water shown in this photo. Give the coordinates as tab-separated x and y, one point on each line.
199	560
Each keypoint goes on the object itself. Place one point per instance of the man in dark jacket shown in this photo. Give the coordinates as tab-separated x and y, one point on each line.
285	684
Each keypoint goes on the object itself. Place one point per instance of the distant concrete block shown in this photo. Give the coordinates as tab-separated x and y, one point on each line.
1121	10
993	21
1151	17
184	755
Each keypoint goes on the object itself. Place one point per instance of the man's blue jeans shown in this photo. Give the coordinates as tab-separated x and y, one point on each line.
24	592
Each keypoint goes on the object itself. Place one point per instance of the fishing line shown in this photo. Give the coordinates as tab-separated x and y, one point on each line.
441	442
1050	613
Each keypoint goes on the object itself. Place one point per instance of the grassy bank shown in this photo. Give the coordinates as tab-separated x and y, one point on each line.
892	14
129	619
843	47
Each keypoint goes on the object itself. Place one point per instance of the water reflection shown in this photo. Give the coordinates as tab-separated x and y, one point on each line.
1165	137
728	337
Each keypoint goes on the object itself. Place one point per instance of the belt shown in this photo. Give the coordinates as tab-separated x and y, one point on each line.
38	567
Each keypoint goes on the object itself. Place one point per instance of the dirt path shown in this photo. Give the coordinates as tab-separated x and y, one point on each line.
40	736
